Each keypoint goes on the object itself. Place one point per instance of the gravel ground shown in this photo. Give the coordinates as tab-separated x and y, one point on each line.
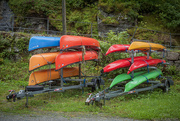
59	117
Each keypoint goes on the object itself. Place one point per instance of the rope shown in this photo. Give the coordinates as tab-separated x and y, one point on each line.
34	77
83	53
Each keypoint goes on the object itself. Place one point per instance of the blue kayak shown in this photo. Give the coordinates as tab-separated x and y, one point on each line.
38	42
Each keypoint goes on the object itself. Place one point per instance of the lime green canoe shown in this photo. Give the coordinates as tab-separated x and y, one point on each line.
142	78
124	77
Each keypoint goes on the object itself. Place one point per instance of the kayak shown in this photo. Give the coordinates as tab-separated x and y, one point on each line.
117	48
142	78
41	76
122	63
144	63
67	58
124	77
38	42
42	59
144	46
69	41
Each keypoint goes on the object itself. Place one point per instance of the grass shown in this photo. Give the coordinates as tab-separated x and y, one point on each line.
147	105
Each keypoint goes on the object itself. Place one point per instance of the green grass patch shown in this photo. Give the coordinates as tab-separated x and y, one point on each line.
147	105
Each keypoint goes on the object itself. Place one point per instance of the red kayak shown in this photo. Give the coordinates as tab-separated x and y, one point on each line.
117	48
69	41
122	63
67	58
144	63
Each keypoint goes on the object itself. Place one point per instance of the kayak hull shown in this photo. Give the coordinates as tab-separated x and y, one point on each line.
42	59
124	77
122	63
144	63
67	58
142	78
41	76
144	46
38	42
118	48
69	41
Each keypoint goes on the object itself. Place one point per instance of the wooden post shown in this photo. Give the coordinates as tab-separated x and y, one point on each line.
64	16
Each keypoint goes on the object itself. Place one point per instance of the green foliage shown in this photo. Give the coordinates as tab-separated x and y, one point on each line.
168	11
11	45
22	45
112	38
127	9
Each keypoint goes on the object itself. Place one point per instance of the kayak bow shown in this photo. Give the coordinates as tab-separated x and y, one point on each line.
142	78
67	58
144	46
38	42
144	63
41	76
69	41
124	77
117	48
122	63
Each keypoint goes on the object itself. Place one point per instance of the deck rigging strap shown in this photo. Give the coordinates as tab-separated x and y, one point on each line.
48	62
147	65
125	47
63	79
128	60
146	78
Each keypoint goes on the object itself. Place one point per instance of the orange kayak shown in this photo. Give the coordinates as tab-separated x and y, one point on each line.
47	74
69	41
67	58
42	59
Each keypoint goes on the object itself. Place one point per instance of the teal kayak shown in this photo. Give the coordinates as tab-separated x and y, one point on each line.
124	77
142	78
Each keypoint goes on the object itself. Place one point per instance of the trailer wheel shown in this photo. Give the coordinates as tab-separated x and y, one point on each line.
166	86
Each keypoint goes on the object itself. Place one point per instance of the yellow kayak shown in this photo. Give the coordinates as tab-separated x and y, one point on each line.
47	74
137	45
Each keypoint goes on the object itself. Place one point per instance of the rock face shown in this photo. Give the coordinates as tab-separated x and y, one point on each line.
5	16
121	24
173	56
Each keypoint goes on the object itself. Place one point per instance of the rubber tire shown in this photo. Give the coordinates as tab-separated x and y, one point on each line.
166	87
34	88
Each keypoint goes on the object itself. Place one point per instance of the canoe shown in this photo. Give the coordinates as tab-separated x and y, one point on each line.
70	57
142	78
38	42
144	46
41	76
117	48
69	41
42	59
124	77
122	63
144	63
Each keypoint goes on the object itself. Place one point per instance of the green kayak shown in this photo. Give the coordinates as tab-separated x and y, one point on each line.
124	77
142	78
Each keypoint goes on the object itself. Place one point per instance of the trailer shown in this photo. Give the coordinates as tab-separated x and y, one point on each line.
134	82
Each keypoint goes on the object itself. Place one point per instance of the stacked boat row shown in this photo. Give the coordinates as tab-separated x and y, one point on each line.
73	49
138	77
